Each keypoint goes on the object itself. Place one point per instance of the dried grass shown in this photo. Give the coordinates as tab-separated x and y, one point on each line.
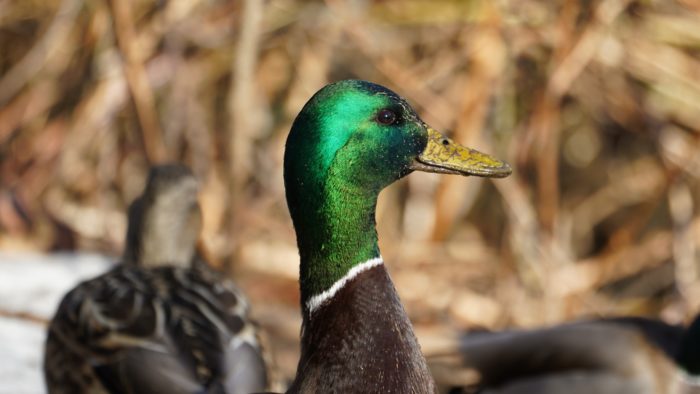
596	104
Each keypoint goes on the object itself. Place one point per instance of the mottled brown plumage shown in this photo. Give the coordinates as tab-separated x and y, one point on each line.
162	322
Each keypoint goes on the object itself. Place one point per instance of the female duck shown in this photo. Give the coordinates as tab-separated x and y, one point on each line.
161	322
352	139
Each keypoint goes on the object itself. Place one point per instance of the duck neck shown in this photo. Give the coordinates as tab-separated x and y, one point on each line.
336	236
158	237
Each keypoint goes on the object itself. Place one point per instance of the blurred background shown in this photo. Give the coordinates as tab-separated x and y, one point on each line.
596	105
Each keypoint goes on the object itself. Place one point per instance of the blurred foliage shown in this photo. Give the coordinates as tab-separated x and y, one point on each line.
595	103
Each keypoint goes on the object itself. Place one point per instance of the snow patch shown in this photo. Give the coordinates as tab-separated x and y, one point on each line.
33	285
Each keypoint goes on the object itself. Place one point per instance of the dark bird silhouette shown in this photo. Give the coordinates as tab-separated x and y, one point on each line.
608	356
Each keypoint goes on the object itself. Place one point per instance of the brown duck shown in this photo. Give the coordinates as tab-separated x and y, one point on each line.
161	321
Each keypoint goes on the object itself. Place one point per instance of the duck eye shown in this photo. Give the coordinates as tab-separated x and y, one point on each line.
386	117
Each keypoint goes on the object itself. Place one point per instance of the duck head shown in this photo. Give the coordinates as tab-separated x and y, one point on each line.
373	136
165	221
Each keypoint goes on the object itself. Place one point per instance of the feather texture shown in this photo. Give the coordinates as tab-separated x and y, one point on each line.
361	341
162	322
606	356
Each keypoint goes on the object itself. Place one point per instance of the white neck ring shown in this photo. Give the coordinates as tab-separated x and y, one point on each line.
319	299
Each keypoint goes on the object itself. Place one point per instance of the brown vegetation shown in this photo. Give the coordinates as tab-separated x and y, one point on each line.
596	104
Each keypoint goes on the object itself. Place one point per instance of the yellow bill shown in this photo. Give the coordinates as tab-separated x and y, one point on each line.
442	155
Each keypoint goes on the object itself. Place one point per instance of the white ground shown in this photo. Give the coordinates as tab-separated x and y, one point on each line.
32	285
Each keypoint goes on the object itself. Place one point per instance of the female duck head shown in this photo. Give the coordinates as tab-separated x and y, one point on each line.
165	221
349	141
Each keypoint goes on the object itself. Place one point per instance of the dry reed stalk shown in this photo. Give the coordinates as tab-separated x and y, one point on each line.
597	102
139	85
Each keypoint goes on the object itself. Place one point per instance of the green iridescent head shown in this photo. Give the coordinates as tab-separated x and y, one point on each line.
352	139
373	137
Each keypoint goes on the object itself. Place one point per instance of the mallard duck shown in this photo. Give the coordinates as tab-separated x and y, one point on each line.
608	356
352	139
162	321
